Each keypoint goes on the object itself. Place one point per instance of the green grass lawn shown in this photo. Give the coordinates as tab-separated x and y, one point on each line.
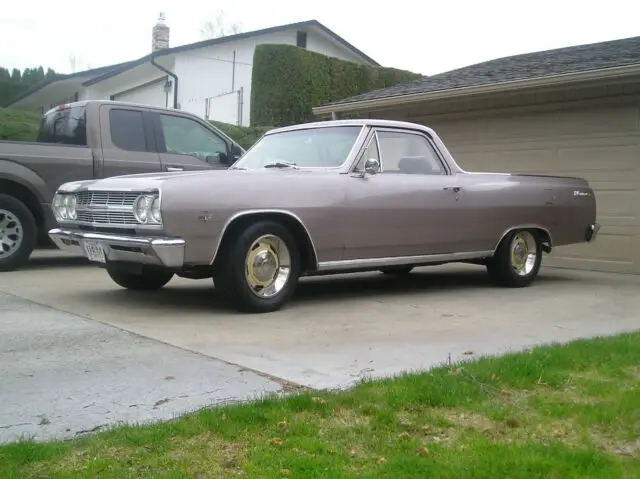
553	412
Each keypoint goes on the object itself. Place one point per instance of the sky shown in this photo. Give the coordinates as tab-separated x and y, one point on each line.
425	37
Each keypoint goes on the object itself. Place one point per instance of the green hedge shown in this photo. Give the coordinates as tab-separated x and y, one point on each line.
288	81
18	125
246	136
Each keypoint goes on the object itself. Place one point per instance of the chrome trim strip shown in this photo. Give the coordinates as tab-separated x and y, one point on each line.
400	260
239	214
520	227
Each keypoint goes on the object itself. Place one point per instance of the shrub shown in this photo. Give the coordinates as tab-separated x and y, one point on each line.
246	136
288	81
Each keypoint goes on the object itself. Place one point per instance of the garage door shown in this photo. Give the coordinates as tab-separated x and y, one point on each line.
600	144
152	94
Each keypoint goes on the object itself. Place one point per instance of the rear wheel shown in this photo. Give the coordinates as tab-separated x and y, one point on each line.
18	233
146	279
517	260
258	268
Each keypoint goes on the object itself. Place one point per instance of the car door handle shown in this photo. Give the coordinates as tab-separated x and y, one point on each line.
175	168
455	189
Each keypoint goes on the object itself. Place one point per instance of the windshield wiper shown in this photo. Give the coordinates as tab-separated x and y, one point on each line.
281	164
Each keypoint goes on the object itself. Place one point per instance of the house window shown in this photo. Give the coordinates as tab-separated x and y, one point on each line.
301	39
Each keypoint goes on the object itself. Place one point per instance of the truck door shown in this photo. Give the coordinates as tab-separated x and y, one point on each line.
186	144
128	144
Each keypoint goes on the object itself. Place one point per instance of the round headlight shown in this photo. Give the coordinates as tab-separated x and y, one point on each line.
155	210
71	207
141	209
58	206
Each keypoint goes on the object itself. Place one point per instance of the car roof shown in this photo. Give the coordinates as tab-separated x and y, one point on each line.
373	122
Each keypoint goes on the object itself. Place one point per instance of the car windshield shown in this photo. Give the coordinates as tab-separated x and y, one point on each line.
326	147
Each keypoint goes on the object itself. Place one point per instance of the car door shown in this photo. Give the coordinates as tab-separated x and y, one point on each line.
128	143
409	208
186	144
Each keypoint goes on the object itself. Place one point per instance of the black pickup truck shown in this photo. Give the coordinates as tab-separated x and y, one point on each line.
92	140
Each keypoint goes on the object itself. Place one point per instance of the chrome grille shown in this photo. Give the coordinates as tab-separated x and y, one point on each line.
106	198
107	217
112	208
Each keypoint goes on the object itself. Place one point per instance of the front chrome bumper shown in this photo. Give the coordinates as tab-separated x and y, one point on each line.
165	252
592	231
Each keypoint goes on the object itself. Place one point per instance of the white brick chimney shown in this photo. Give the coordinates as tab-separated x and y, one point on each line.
160	34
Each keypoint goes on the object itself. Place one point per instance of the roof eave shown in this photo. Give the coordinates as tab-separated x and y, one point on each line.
551	80
123	67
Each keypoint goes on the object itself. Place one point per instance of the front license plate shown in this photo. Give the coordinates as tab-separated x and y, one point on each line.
94	251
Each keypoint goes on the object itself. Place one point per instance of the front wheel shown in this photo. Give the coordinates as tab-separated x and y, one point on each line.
145	280
517	260
258	268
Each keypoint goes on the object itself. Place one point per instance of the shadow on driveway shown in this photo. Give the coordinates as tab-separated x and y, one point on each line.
201	296
50	258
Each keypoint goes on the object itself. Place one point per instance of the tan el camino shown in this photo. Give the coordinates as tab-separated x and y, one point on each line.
321	198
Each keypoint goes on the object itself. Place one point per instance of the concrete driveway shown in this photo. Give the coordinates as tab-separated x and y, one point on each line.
340	329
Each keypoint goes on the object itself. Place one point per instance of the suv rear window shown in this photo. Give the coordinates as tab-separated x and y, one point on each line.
67	126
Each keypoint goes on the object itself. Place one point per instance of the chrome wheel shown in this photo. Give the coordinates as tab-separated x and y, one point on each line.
267	266
11	233
523	253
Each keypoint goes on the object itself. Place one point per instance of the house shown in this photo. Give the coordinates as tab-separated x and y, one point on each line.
211	78
569	111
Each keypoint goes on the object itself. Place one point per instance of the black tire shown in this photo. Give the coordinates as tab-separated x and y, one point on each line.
229	270
11	260
148	279
502	269
397	270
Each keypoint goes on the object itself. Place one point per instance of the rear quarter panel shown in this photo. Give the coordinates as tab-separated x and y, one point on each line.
496	203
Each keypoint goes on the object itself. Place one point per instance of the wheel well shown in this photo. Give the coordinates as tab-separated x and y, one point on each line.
543	235
545	239
299	232
25	195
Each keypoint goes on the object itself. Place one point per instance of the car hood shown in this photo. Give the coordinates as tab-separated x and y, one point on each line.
148	181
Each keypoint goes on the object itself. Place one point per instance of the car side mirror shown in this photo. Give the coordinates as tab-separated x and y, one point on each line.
372	166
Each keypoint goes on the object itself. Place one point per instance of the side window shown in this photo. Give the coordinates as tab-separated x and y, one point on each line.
127	130
370	152
183	136
408	153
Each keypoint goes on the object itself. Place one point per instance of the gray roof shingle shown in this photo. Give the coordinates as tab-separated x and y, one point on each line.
581	58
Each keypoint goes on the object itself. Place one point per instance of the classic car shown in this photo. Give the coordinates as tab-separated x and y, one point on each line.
321	198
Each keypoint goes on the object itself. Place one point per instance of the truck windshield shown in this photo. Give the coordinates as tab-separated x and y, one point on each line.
326	147
66	126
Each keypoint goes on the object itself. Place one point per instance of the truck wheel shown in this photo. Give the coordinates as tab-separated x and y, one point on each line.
18	233
517	260
147	280
258	268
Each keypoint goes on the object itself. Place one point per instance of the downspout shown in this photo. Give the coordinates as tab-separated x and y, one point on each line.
233	72
152	60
